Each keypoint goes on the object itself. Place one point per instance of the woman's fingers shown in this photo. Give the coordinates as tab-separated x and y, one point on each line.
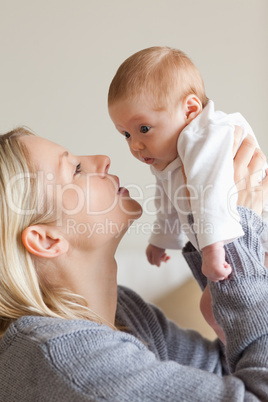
265	186
255	168
243	158
246	150
238	134
257	161
252	187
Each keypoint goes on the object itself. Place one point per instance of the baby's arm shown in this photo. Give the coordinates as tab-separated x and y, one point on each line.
214	266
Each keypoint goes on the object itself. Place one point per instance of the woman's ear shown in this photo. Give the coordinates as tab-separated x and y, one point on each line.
44	241
192	107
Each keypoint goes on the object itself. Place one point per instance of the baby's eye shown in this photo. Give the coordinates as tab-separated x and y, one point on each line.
77	169
126	134
144	129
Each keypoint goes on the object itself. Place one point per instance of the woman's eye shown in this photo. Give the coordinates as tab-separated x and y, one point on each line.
144	129
77	169
126	134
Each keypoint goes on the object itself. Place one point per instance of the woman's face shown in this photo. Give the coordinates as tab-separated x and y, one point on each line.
89	203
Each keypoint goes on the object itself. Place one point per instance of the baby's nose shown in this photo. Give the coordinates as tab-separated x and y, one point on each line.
137	145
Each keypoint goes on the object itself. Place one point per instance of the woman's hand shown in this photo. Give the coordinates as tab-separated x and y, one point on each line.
206	310
248	164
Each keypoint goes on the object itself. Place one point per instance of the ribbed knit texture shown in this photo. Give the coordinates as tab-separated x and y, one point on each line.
194	260
47	359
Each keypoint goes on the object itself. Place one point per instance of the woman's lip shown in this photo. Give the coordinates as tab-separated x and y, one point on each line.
123	190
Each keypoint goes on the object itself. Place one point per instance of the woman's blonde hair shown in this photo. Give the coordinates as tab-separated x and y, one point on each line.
164	74
21	290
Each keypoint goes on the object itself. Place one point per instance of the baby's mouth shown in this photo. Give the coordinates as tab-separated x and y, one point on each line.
148	161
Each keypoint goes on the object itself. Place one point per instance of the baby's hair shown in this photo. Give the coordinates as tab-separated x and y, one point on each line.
164	74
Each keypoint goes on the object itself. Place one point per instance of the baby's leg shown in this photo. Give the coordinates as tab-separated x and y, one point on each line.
214	266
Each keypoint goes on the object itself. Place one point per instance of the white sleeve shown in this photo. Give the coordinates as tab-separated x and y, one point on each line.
166	231
207	157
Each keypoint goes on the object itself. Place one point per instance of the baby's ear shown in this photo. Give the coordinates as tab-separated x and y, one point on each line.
44	241
192	107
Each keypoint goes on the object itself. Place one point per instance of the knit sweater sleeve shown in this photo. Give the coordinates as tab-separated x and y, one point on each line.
240	304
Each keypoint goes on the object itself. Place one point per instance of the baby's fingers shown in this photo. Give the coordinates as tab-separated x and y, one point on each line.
165	258
221	275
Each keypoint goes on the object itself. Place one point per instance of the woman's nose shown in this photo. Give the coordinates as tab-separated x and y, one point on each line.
103	163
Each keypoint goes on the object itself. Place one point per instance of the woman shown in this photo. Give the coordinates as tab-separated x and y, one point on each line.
69	334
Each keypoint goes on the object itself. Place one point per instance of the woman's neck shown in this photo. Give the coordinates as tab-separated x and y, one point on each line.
92	275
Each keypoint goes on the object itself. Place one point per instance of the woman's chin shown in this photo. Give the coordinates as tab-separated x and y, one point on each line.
130	207
132	217
137	210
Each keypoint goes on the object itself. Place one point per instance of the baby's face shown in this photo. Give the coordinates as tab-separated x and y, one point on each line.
151	135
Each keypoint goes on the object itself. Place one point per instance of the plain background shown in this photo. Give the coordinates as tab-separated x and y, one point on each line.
57	58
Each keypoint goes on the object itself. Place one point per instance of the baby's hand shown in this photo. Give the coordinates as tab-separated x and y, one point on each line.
214	266
156	255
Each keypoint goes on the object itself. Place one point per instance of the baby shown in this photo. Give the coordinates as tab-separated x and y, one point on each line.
157	101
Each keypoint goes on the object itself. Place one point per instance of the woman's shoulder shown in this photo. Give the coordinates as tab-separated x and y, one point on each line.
45	329
64	358
134	317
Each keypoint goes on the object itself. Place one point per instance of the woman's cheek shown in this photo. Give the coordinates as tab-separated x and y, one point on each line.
72	199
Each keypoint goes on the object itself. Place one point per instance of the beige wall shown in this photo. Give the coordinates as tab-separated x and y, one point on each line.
57	58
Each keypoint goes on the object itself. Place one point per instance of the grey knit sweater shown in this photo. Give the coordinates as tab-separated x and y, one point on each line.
47	359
